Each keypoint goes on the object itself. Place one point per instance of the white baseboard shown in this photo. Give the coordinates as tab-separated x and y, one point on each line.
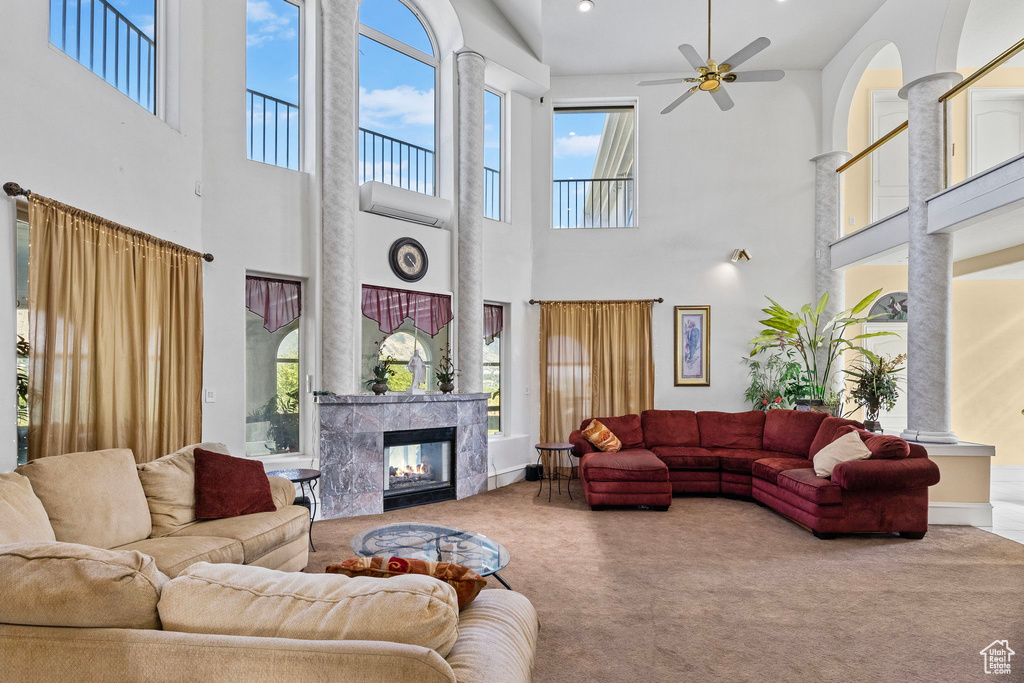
1008	473
962	514
504	477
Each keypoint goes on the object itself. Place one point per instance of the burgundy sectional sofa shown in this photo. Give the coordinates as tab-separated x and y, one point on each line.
764	456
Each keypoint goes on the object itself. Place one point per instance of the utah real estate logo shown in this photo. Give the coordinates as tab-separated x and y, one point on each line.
997	657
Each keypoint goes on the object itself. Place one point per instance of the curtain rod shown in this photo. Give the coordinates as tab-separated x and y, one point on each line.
16	190
597	301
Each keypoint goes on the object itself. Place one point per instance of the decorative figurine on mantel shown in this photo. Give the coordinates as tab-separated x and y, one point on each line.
419	373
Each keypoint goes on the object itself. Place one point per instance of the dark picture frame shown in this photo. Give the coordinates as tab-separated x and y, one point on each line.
692	346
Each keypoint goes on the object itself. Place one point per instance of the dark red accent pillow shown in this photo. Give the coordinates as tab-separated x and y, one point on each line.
882	446
829	431
670	428
731	430
791	431
230	487
626	428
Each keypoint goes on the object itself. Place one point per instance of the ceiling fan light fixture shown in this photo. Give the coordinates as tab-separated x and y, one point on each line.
585	6
710	85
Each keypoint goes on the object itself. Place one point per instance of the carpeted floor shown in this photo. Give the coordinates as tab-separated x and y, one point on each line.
719	589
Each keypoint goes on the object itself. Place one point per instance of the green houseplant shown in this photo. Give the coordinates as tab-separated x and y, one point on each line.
774	381
445	373
874	385
817	342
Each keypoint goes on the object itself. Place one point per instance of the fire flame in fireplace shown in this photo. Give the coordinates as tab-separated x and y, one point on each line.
418	469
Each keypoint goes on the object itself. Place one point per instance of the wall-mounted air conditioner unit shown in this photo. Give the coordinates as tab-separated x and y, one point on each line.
406	205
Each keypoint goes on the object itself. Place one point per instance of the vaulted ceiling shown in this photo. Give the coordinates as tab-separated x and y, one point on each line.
640	36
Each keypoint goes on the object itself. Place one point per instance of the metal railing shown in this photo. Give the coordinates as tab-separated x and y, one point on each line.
956	110
395	162
492	194
874	190
593	203
106	41
272	129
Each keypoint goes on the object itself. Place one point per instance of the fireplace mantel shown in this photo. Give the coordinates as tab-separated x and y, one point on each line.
352	431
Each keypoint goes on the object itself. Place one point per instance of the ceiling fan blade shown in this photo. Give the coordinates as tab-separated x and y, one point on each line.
679	100
755	76
725	102
663	81
747	52
691	55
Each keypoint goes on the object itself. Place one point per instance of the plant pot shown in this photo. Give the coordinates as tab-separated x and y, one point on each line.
446	387
872	425
815	405
380	388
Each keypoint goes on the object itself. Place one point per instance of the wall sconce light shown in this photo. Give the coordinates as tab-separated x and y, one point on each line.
585	6
740	255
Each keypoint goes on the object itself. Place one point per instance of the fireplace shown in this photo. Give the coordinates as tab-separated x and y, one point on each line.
419	467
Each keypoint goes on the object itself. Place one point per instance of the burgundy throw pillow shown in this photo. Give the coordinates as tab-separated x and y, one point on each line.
230	487
882	446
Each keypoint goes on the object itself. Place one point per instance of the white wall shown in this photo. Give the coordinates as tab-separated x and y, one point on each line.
708	182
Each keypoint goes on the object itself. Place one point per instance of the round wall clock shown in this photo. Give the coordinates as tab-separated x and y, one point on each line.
408	259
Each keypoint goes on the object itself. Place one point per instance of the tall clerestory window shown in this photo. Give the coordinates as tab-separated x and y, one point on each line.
398	67
493	199
115	39
273	81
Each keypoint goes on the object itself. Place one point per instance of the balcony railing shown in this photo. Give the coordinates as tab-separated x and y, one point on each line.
874	183
593	203
272	129
492	194
395	162
106	41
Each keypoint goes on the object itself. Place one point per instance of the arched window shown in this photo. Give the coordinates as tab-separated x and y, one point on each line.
398	78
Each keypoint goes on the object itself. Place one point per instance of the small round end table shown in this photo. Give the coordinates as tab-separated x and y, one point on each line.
303	478
555	452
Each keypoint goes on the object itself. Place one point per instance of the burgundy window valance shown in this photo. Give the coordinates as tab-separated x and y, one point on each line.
278	302
494	321
390	307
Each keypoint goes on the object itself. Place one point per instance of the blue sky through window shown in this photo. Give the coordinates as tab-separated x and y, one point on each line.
577	136
139	12
492	130
396	20
396	94
272	48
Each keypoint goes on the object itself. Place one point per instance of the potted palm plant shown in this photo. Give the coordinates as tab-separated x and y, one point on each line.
874	385
818	342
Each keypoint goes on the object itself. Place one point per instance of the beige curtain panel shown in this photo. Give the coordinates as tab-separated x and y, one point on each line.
595	360
116	335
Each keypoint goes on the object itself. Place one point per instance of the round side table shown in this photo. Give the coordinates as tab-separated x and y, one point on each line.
303	478
555	452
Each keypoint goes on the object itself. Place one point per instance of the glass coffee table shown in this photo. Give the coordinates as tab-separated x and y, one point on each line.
434	542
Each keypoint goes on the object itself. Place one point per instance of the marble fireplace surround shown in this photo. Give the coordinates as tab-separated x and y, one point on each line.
352	444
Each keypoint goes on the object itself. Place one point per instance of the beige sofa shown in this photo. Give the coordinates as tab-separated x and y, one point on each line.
103	499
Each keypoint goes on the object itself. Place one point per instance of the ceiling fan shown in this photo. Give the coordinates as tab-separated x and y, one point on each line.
712	74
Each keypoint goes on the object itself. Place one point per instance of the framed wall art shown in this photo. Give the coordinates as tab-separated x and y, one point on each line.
693	346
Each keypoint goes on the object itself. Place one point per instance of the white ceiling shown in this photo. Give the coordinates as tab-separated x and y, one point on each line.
640	36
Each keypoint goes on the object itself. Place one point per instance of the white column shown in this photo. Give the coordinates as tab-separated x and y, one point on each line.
827	229
930	275
470	67
338	280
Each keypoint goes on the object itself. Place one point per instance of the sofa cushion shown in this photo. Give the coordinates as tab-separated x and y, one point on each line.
670	428
731	430
230	487
170	486
686	458
92	498
812	488
741	460
258	533
844	449
73	585
769	468
882	446
22	515
174	555
627	428
282	491
252	601
466	582
828	432
601	437
791	431
632	465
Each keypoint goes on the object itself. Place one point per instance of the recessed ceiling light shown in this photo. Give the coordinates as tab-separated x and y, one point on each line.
585	6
